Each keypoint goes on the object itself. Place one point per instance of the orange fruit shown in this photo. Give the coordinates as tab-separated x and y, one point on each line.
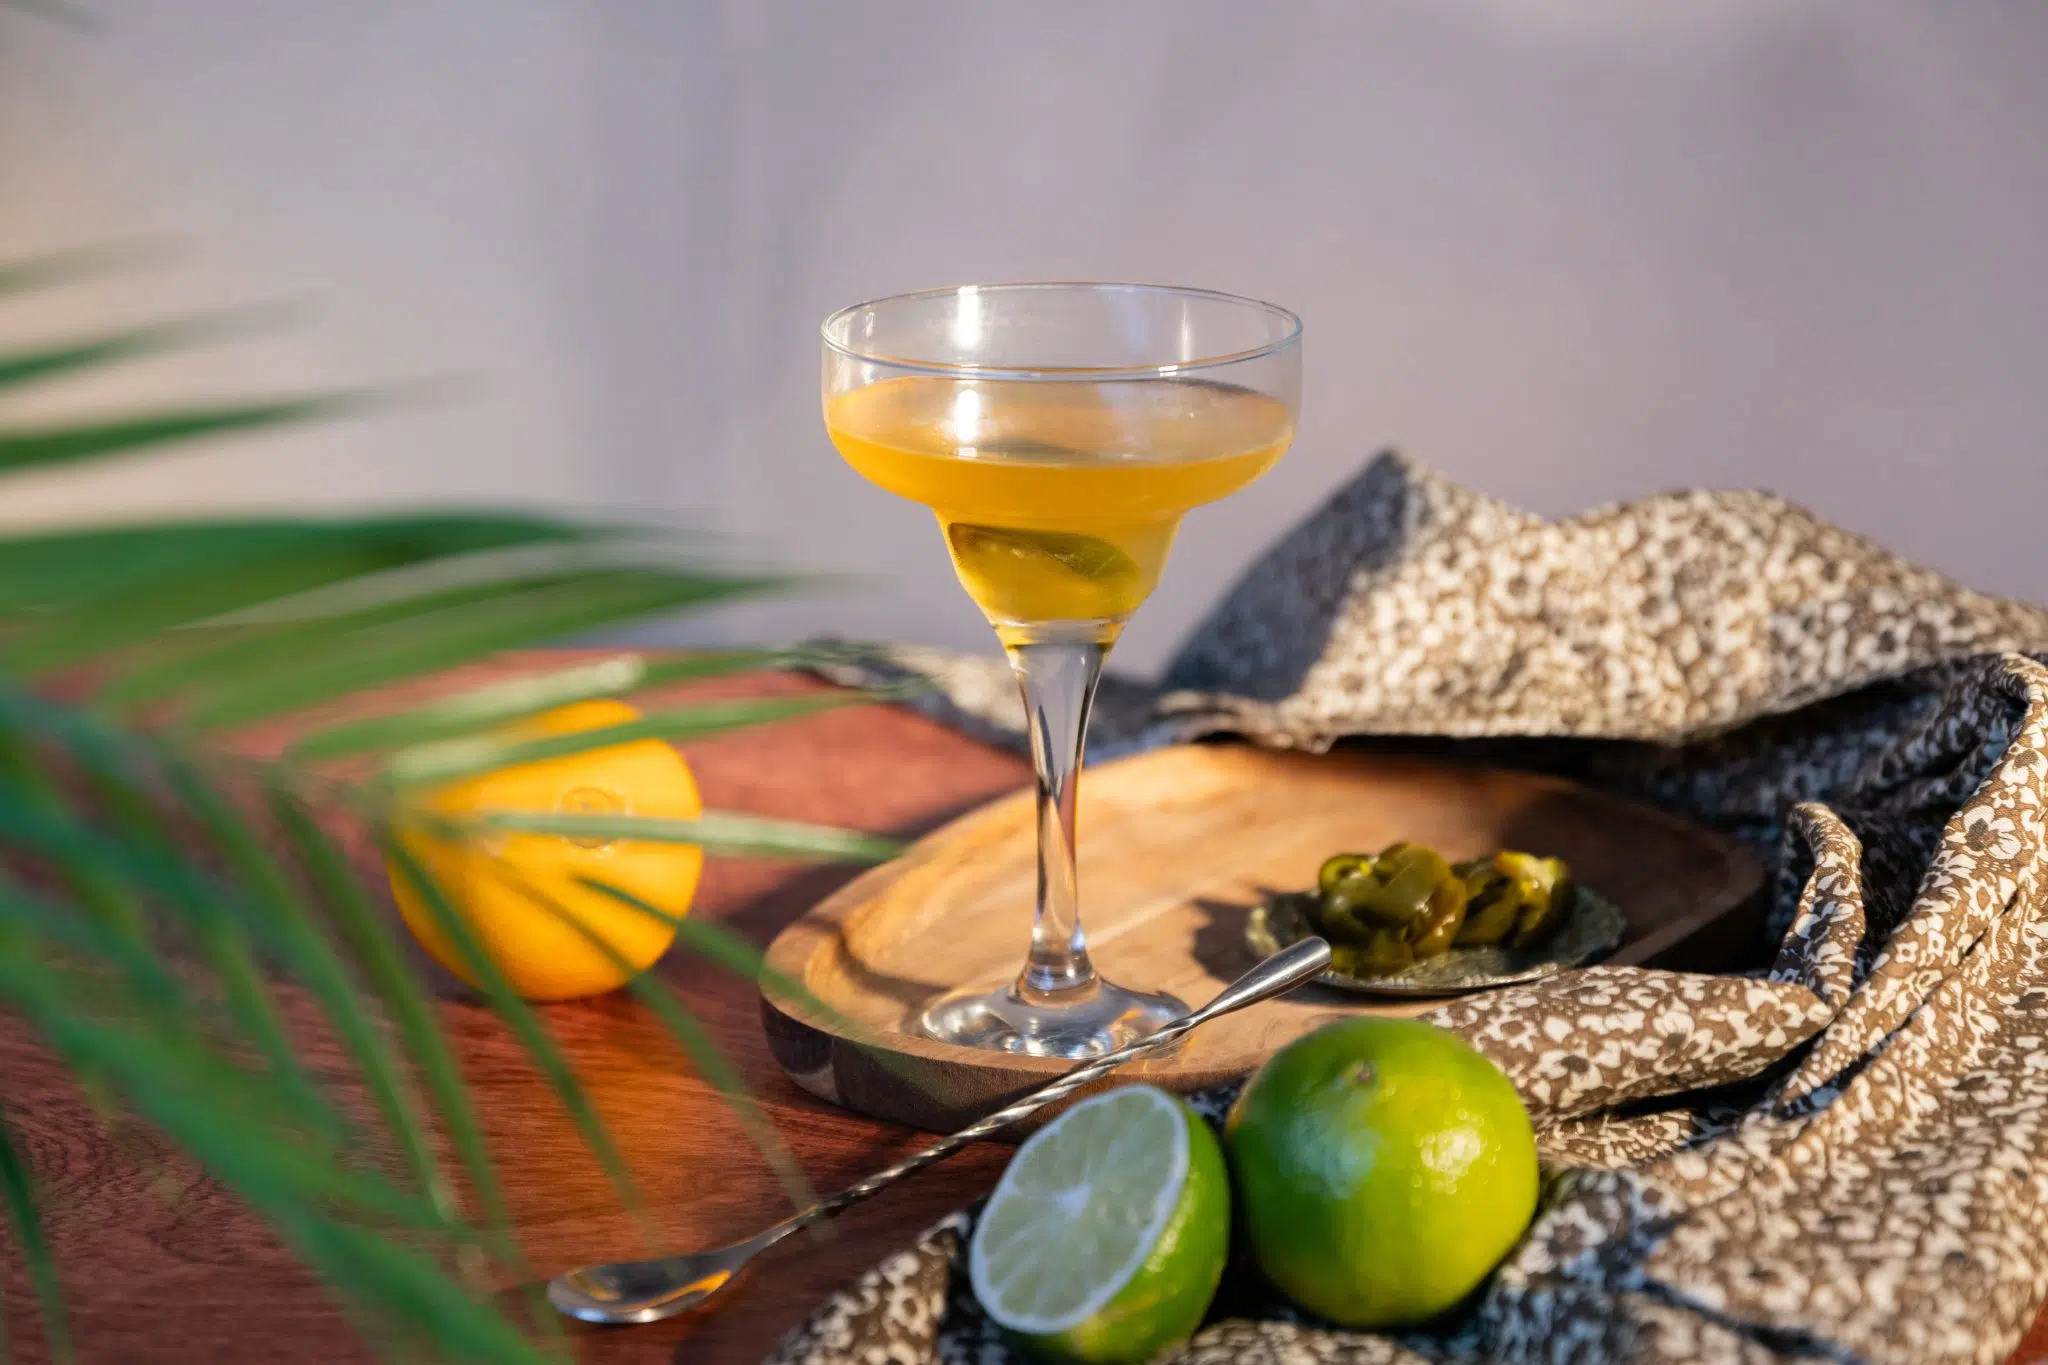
502	884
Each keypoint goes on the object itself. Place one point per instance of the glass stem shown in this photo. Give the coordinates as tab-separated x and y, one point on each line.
1057	677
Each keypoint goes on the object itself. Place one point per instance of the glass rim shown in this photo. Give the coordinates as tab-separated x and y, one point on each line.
1291	321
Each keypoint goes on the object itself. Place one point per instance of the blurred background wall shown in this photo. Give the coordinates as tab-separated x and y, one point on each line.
1568	251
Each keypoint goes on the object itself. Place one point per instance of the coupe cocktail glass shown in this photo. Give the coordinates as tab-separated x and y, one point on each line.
1059	432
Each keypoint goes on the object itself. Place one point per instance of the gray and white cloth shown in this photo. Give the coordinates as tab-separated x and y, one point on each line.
1841	1154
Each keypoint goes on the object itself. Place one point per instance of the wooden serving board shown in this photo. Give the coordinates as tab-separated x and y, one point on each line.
1177	846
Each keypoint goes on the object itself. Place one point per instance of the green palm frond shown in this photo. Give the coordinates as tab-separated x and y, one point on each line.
39	445
500	704
17	1190
78	262
50	362
161	897
437	762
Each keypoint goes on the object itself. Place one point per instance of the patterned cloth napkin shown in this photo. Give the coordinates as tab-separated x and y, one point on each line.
1842	1154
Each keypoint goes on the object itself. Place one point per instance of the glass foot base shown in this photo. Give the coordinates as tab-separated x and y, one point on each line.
1098	1019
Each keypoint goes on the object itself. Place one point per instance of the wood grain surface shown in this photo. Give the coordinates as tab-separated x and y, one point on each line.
161	1266
1177	846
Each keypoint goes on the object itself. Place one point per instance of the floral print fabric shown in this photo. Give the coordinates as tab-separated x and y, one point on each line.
1842	1154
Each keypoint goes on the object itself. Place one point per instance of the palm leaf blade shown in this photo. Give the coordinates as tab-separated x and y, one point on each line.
488	707
323	973
61	267
112	903
138	613
198	1101
453	759
412	1290
71	844
740	834
82	563
382	961
682	1026
517	1014
17	1192
222	1114
479	622
24	448
187	665
51	362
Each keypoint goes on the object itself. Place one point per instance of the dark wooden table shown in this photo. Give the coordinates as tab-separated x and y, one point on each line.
161	1266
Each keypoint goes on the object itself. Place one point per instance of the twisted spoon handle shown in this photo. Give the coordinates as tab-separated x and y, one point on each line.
1279	973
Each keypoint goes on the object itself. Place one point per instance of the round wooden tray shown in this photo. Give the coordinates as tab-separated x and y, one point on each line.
1177	846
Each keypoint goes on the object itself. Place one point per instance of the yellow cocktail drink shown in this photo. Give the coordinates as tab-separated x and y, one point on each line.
1058	499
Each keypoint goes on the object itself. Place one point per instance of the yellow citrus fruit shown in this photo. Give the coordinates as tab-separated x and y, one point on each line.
542	956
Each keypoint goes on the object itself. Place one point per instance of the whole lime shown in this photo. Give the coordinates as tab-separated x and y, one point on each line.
1104	1240
1383	1169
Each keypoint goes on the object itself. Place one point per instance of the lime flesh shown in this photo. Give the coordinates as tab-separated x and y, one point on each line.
1106	1237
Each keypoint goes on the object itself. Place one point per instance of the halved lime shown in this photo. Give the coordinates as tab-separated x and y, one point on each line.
1106	1237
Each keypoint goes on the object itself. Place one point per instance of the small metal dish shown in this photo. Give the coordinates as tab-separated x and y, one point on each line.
1595	928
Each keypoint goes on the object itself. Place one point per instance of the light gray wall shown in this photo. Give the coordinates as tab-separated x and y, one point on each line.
1567	250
